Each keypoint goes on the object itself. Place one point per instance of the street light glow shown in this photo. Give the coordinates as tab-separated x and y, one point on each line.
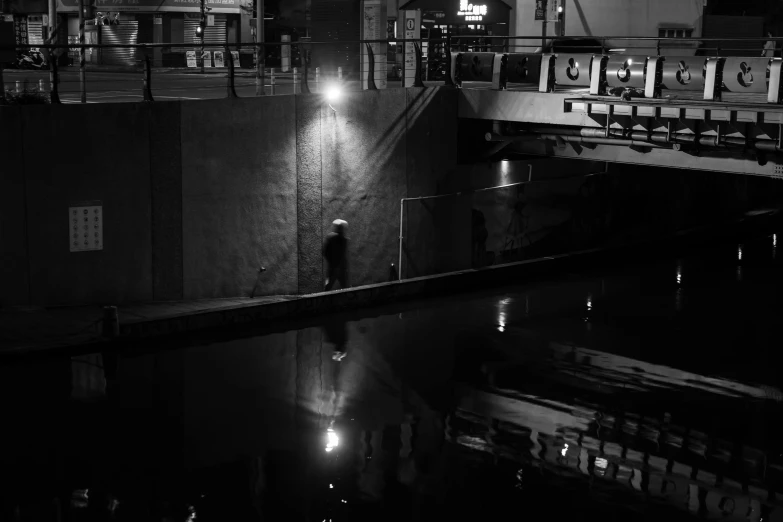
332	93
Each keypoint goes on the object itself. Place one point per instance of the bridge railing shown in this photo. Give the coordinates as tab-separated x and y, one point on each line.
643	67
315	67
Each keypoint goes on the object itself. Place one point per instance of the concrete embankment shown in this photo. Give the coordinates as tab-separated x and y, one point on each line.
152	326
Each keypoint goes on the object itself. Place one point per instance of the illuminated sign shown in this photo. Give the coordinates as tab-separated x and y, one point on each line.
472	13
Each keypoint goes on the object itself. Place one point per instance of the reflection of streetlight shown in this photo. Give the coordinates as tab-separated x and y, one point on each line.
502	314
331	440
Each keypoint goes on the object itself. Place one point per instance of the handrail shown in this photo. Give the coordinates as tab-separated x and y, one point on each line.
178	45
627	38
460	193
251	45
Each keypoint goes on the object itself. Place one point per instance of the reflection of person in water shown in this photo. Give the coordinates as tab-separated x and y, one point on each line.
336	333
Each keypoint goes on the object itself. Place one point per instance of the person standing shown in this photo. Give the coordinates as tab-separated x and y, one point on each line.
336	254
769	47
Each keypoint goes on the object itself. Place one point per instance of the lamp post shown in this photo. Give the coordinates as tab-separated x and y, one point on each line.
561	13
543	26
82	79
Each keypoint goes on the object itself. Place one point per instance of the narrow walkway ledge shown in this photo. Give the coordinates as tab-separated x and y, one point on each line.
143	322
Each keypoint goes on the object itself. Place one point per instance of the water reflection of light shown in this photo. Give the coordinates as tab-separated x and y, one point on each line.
589	306
739	273
739	253
774	245
679	272
564	450
502	314
331	440
601	463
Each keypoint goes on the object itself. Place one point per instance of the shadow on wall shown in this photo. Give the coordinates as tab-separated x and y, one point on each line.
371	163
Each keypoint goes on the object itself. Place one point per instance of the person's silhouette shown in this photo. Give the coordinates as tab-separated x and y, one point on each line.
336	255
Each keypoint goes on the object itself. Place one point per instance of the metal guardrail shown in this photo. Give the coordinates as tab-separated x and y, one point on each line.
300	77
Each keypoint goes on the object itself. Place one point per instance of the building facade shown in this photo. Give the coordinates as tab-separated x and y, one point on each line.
597	18
133	22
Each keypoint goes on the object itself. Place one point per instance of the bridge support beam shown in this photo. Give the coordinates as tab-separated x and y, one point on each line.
643	153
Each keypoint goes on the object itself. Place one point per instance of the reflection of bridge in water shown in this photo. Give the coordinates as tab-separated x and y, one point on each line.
677	464
718	112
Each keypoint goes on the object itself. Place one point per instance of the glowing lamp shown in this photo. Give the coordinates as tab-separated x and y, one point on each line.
332	93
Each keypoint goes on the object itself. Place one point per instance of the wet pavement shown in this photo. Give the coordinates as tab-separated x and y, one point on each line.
642	393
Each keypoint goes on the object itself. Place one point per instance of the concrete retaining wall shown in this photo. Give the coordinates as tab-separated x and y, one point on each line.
198	195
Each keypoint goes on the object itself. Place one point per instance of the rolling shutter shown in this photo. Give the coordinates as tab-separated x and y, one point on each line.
213	34
127	33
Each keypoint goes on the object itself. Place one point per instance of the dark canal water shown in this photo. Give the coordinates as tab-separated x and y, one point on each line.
649	392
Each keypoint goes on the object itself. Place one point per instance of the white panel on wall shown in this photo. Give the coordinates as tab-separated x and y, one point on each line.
86	227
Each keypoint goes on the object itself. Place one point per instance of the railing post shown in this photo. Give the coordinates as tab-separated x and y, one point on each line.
272	80
147	80
371	70
305	86
54	79
230	90
449	72
296	78
417	76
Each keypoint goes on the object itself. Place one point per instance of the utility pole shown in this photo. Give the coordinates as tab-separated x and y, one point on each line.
82	79
50	27
201	27
260	51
